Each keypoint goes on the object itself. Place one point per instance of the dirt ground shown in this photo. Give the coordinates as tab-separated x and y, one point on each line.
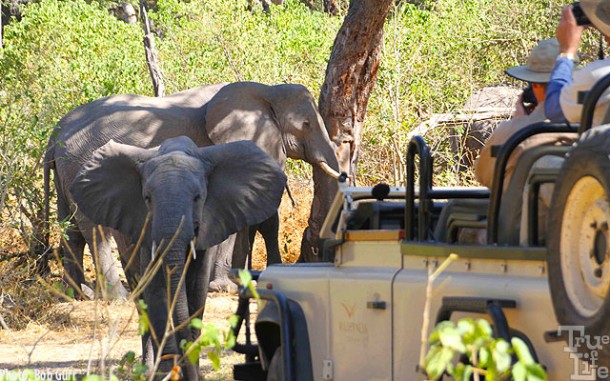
92	336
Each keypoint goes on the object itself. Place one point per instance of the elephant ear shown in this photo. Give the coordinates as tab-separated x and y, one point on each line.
108	188
240	111
244	187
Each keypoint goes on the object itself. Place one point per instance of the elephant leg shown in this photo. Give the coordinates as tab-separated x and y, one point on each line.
72	252
129	258
241	250
155	298
223	254
101	251
269	230
197	282
72	247
251	238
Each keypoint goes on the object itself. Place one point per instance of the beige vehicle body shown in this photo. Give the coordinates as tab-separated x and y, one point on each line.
365	311
536	267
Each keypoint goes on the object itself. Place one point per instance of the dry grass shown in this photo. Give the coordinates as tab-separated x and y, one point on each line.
293	221
48	334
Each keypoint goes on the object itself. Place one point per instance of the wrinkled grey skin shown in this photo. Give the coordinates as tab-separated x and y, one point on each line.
282	120
188	193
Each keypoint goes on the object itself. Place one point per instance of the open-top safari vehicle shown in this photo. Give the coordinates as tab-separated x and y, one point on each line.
358	315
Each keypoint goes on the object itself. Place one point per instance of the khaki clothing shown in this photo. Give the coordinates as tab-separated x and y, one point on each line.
485	164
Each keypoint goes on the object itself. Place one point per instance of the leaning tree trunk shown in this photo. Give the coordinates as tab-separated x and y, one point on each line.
151	54
350	77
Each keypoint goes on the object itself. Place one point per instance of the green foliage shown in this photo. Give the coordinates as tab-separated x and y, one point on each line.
436	54
60	55
220	40
66	53
487	356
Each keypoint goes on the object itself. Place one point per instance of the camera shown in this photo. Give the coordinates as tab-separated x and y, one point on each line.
579	15
528	100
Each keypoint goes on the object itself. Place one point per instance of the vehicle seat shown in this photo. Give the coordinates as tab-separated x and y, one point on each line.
460	213
512	219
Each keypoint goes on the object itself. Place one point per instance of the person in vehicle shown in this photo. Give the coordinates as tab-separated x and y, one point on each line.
564	86
537	73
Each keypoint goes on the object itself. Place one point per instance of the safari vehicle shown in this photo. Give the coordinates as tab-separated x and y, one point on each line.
359	314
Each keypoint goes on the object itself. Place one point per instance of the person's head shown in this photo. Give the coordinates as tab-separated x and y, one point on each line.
598	12
538	68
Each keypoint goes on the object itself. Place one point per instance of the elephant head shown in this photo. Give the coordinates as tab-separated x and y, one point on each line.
283	120
187	193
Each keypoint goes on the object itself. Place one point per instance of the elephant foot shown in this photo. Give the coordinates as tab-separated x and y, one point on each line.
223	285
117	292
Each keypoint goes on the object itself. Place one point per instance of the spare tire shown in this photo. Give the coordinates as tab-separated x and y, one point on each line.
579	238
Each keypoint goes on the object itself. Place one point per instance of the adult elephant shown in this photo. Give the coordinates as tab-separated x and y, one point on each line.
179	200
282	120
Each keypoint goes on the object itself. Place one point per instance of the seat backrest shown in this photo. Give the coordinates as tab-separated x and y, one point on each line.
509	218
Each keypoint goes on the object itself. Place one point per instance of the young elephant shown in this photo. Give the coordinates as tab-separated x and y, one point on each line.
188	193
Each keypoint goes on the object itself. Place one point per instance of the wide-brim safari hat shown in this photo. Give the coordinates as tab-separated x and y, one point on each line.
539	64
598	11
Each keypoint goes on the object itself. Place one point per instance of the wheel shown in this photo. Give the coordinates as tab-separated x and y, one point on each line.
276	368
579	238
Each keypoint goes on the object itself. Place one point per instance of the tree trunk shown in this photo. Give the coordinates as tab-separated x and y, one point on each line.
350	77
151	54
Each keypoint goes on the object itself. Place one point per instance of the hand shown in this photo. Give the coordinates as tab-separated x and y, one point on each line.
568	32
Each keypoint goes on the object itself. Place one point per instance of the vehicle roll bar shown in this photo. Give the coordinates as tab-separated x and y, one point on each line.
417	147
500	169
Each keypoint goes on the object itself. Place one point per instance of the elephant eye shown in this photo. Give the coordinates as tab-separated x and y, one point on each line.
197	198
306	124
147	199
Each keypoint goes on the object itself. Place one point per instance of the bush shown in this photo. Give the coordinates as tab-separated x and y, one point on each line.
60	55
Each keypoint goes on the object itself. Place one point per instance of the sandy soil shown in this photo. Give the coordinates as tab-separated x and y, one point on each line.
92	336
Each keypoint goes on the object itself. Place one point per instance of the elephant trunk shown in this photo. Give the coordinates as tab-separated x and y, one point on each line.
325	188
174	268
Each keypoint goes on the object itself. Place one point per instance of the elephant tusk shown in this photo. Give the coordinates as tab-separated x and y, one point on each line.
193	249
152	252
328	170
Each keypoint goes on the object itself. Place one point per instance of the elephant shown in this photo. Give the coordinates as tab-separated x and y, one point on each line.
282	120
182	199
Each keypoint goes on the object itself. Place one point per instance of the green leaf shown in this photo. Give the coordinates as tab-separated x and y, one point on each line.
485	358
233	320
230	340
245	277
193	354
462	372
501	355
536	372
450	337
519	372
196	323
142	304
436	361
128	358
522	351
213	356
143	323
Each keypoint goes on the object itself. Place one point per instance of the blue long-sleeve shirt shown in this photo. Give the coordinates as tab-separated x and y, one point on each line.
561	76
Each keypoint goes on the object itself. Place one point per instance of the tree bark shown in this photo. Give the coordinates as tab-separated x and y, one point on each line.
1	26
350	77
151	54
